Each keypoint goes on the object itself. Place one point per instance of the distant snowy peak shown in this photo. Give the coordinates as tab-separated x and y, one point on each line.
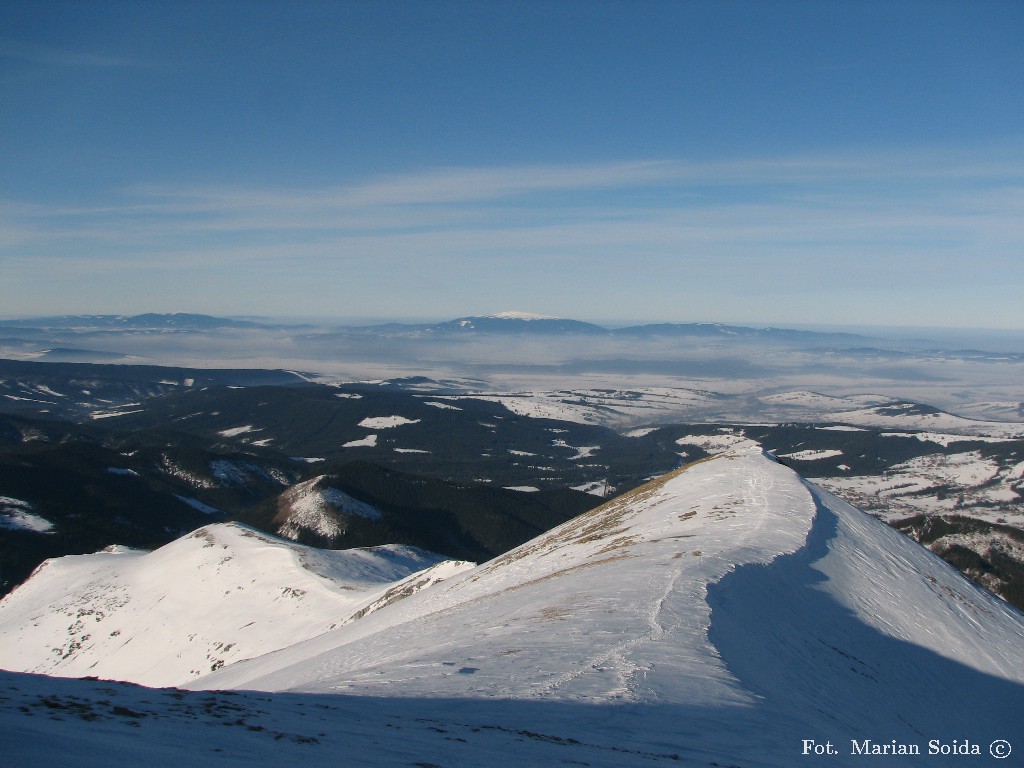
519	323
313	507
514	315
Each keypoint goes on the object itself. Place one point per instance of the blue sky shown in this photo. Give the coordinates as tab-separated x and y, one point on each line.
758	162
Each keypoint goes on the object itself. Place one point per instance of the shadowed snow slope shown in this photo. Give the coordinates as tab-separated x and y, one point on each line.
223	593
726	614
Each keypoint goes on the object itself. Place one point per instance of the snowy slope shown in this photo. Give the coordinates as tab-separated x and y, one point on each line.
225	592
614	407
314	506
727	614
918	417
571	614
731	595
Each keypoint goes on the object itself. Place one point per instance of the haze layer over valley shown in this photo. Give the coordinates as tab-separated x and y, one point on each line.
975	375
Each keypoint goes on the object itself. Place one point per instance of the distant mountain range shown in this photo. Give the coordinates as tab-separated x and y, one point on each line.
522	344
516	323
148	321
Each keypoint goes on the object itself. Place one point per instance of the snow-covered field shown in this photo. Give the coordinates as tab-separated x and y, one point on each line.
366	442
905	416
811	455
964	483
727	439
660	405
604	406
726	614
386	422
236	431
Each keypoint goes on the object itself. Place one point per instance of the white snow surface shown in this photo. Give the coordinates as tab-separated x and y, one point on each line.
386	422
816	400
95	415
517	315
236	431
946	440
727	439
614	606
581	452
720	615
223	593
811	455
603	406
903	416
370	441
922	486
16	514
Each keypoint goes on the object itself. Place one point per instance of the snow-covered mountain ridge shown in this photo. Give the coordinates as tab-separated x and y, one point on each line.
725	614
612	606
223	593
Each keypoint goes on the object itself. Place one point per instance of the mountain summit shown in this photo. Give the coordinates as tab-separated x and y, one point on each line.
515	315
519	323
224	592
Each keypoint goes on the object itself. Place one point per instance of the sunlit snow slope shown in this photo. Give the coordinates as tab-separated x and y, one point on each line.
732	589
727	614
225	592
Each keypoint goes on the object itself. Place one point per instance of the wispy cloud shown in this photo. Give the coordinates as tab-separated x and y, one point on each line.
799	225
62	57
763	198
435	187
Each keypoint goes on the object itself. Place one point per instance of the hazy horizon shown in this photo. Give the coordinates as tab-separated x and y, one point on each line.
938	333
